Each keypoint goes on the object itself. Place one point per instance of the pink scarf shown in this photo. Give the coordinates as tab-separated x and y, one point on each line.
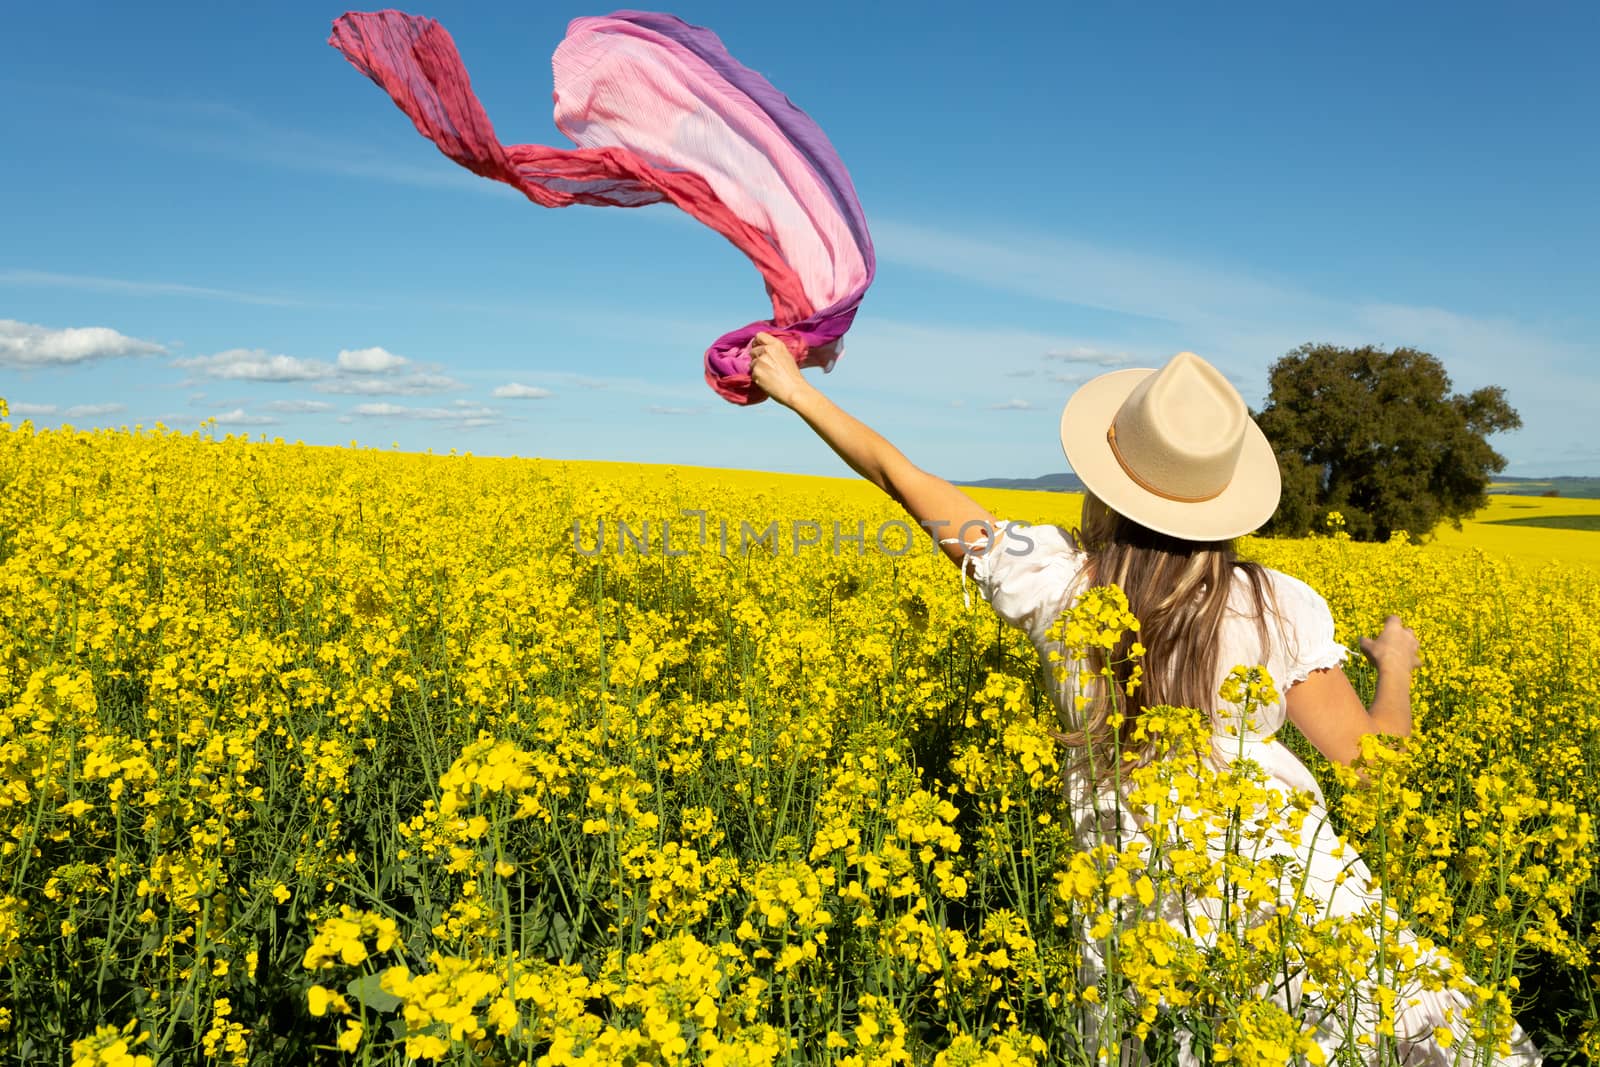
660	112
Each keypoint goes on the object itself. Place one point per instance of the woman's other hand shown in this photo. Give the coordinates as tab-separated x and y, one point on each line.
773	369
1396	648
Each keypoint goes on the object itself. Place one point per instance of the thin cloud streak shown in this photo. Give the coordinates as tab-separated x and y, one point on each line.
1240	322
130	287
225	130
628	386
1139	285
299	407
76	411
1094	356
1217	307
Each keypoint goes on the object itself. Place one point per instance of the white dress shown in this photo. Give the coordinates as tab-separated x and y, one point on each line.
1030	575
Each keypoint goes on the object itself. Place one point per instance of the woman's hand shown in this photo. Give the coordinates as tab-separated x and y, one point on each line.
1396	648
773	369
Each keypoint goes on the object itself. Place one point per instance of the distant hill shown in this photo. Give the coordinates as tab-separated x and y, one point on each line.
1581	488
1578	488
1048	483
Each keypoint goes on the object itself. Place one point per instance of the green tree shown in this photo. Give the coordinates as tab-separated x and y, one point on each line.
1379	437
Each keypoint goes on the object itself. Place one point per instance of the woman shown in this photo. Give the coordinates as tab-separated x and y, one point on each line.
1175	470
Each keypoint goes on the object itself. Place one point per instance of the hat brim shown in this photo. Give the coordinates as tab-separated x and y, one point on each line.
1248	501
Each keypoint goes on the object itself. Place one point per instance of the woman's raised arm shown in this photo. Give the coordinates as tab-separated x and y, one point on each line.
1326	709
939	507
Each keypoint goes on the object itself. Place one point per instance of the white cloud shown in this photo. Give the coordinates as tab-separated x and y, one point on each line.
299	407
241	417
518	391
23	344
90	411
383	410
665	409
373	360
256	365
1012	405
465	413
357	372
26	410
413	384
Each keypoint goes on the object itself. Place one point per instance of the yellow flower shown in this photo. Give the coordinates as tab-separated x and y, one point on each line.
320	1000
350	1037
112	1047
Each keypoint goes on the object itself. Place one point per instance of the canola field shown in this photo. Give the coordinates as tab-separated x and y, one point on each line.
1531	528
345	756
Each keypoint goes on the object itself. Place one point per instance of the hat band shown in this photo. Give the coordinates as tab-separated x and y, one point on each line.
1111	439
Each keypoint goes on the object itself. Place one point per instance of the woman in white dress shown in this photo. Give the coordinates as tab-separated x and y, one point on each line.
1176	470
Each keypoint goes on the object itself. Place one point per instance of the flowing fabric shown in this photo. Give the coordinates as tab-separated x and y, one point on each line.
660	112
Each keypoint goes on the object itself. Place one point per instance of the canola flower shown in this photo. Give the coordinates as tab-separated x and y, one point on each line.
320	755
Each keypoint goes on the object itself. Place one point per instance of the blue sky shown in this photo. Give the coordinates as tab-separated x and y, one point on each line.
192	188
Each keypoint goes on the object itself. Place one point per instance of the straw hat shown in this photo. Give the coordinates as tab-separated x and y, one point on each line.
1173	449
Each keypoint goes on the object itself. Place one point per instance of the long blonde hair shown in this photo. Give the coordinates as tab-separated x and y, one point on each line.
1179	592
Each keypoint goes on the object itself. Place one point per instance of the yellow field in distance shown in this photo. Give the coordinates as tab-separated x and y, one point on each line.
1529	529
1532	528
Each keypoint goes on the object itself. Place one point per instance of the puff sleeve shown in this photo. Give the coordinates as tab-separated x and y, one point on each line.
1308	632
1028	574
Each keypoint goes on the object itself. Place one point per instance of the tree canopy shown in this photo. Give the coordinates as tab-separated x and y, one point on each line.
1379	437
